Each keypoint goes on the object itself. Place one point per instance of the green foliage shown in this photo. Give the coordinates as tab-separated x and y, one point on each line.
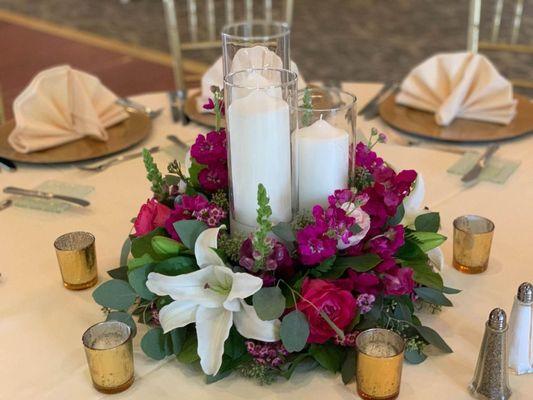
143	244
153	344
397	218
263	374
428	222
260	241
194	171
220	199
176	338
414	356
433	296
119	273
284	231
308	106
426	240
139	262
176	266
349	365
189	351
165	246
291	366
115	294
424	275
362	178
294	331
137	279
234	346
231	246
125	251
323	268
189	230
269	303
301	220
159	187
433	338
362	263
123	317
329	356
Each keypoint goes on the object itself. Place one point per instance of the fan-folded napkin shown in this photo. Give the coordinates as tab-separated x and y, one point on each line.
61	105
459	85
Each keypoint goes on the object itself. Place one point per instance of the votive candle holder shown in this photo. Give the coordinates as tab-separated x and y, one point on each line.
472	241
76	256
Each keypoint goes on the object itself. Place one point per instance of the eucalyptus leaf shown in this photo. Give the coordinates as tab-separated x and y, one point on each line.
329	356
348	366
284	231
123	317
153	344
294	331
293	364
189	230
125	251
433	296
137	279
269	303
428	222
177	337
115	294
414	357
134	263
449	290
119	273
432	337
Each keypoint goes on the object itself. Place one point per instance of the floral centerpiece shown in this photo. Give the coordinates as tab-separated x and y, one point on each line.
289	293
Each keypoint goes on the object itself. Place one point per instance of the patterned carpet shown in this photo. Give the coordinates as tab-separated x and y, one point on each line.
371	40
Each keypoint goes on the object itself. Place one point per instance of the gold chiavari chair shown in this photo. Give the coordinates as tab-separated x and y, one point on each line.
203	31
496	41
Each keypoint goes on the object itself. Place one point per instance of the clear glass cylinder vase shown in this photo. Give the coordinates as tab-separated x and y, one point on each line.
260	117
324	144
255	44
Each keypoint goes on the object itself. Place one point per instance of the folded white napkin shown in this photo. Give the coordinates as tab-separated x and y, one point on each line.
62	105
246	58
459	85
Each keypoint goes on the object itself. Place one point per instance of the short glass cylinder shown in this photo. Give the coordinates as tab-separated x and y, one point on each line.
255	44
260	117
324	144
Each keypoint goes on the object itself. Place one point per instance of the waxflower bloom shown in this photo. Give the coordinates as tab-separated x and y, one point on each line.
323	296
213	298
151	215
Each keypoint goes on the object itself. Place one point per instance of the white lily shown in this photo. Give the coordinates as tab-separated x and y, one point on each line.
413	208
213	298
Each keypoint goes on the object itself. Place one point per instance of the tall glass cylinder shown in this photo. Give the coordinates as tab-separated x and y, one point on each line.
255	44
324	144
260	117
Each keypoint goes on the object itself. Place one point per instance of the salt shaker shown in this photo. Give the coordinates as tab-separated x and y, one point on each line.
491	379
521	331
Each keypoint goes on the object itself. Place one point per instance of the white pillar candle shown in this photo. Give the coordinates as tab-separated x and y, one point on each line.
259	134
321	159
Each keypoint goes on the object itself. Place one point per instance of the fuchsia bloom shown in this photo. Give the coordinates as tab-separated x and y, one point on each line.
314	245
214	177
398	281
365	302
210	105
339	305
387	244
151	215
194	207
211	148
279	264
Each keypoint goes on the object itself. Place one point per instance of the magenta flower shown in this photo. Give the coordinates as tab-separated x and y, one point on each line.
388	243
279	264
214	177
314	246
189	207
212	215
210	105
151	215
272	355
211	148
398	281
365	302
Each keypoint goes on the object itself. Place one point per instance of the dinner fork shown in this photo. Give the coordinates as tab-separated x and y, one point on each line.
116	160
133	105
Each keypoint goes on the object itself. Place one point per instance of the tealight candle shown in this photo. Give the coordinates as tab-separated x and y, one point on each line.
321	154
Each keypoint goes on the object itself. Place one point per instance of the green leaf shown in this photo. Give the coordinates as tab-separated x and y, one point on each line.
348	366
234	346
115	294
329	356
428	222
323	267
432	337
119	273
403	313
123	317
449	290
137	279
189	352
293	364
433	296
414	357
362	263
125	251
269	303
294	331
397	218
194	170
427	240
176	266
424	275
177	337
189	230
143	244
134	263
284	231
165	246
153	344
227	367
410	251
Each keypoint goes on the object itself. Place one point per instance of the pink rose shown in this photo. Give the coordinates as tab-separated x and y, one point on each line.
339	305
151	215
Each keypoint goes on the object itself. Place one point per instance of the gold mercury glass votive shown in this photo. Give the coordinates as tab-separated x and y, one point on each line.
109	352
472	239
76	256
379	364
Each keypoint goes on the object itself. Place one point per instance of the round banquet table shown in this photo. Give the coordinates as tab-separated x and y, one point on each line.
41	323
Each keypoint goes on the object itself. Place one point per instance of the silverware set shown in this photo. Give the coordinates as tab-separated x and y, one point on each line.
133	105
481	163
41	195
115	160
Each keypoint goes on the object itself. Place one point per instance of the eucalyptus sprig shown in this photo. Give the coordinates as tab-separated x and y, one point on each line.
218	101
154	176
260	240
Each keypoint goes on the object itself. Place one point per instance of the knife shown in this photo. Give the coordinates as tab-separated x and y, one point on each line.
480	164
7	164
370	110
45	195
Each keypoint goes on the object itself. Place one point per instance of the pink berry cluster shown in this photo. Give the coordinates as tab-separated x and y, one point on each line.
268	354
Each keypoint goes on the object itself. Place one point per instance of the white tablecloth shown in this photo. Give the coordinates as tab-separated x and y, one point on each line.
41	323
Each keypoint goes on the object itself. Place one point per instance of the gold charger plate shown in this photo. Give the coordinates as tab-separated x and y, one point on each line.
121	136
207	119
423	123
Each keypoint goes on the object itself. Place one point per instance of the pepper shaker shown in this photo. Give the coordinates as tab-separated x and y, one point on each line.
491	378
521	331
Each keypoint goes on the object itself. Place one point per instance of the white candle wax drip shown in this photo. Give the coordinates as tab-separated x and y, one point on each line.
321	158
259	134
